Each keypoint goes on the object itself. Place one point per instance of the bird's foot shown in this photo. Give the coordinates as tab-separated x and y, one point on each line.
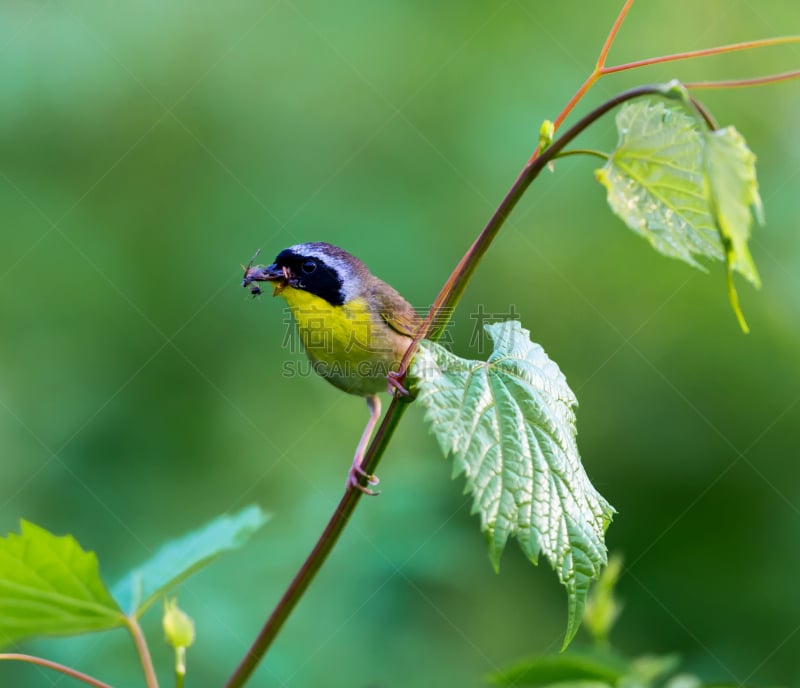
395	380
353	479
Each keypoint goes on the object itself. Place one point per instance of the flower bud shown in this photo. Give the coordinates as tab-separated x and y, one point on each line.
546	133
178	625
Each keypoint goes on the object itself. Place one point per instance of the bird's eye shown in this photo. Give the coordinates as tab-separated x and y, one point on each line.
309	266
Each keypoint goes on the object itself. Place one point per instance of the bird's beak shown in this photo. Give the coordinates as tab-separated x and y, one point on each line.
269	273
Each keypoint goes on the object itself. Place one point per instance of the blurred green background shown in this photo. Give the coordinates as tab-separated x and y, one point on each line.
147	149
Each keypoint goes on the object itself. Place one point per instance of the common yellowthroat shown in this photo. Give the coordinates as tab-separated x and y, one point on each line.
354	327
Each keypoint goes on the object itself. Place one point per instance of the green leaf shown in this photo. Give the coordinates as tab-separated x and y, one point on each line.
687	190
647	670
510	424
731	168
604	668
179	559
730	165
50	586
656	181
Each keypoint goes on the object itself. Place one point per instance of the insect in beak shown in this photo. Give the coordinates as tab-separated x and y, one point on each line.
260	273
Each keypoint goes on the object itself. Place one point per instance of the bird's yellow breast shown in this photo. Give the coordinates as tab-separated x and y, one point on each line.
349	345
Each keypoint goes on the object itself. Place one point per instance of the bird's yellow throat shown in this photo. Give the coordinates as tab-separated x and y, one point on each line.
335	333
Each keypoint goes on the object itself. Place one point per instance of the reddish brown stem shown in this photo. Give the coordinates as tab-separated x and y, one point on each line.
438	314
55	666
597	72
600	70
601	60
448	297
705	52
328	538
744	83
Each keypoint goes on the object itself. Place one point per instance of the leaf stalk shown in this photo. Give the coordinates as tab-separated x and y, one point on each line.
143	651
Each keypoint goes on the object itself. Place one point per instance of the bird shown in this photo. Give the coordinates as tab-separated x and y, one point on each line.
354	327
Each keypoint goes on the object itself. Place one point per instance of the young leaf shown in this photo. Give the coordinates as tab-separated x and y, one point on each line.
731	167
510	424
179	559
50	586
686	189
604	668
656	181
733	187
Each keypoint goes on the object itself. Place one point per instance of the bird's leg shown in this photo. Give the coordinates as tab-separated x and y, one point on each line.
374	405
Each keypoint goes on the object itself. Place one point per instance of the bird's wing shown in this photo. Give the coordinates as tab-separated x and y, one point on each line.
398	313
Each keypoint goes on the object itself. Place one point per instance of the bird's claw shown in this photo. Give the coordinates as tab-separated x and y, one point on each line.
395	381
353	480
